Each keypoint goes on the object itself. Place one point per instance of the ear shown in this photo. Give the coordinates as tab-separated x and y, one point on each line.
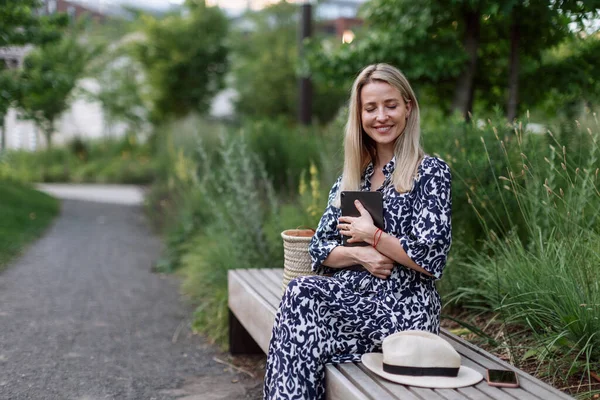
408	104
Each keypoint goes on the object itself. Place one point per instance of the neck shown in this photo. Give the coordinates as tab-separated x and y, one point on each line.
384	155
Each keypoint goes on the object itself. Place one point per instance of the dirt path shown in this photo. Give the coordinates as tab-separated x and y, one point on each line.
82	317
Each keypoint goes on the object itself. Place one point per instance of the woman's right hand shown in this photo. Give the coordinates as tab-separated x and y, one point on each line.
376	263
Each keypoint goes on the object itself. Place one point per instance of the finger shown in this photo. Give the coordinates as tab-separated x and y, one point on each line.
346	219
360	208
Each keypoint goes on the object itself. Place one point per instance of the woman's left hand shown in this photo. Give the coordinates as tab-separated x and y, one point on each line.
360	229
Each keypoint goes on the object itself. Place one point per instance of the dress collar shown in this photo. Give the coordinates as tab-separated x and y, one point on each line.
388	169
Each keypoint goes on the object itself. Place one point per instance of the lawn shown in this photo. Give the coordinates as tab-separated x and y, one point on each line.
24	215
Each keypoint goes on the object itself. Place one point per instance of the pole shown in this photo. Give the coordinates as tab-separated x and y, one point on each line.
305	85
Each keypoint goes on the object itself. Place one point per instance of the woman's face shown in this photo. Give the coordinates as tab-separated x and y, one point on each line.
383	112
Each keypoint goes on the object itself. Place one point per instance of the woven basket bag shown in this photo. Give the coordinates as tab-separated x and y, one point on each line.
297	261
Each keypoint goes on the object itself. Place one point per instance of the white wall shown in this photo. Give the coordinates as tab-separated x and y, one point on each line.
84	119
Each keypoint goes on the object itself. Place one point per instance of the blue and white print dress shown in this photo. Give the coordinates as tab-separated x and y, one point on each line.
323	319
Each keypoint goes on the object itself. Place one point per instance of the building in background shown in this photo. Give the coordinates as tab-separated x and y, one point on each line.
74	9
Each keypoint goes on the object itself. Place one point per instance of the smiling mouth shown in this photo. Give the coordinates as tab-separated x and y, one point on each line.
383	129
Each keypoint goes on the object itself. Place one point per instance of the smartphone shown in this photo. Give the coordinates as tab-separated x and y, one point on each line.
371	201
502	378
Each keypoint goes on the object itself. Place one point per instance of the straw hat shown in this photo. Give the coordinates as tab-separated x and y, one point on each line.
419	358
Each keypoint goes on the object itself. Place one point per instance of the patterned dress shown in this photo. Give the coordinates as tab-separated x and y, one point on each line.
336	319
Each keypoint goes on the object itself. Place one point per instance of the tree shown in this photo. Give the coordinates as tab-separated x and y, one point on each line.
425	39
453	49
185	59
21	25
47	81
265	67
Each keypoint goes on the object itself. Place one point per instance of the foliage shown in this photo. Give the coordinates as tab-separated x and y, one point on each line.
25	213
285	150
428	42
122	92
101	161
570	75
48	78
474	177
546	283
21	25
264	68
185	59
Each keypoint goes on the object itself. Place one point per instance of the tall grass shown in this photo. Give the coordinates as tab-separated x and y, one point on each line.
543	274
225	211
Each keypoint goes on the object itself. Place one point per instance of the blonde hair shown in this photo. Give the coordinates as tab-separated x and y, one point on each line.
359	148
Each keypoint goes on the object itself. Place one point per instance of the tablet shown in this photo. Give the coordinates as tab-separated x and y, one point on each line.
372	201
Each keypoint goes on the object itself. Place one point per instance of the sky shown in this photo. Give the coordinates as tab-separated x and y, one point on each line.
165	4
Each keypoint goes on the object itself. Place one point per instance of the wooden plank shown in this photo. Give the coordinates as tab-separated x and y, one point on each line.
364	382
400	391
493	392
425	393
472	393
338	387
527	382
451	394
254	282
267	280
273	275
250	309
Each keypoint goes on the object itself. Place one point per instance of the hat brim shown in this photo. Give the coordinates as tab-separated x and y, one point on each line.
466	376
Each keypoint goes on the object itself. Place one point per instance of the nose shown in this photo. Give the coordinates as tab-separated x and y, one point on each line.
381	114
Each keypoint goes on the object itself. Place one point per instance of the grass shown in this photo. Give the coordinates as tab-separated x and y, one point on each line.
24	214
540	277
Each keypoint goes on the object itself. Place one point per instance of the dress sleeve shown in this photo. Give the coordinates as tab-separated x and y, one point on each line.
326	237
430	238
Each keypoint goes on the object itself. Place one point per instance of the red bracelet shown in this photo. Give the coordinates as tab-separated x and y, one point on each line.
376	238
375	235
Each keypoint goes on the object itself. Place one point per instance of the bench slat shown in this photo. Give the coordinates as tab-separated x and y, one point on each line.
472	393
400	391
364	382
451	394
259	285
270	283
339	387
273	277
254	299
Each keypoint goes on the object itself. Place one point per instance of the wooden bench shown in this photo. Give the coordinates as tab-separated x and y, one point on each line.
254	296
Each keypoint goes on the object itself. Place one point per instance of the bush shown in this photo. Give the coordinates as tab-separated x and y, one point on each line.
122	160
542	275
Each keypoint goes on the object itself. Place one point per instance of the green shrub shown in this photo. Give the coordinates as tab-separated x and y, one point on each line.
123	160
545	280
285	150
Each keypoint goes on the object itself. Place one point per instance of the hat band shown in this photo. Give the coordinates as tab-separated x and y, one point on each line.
419	371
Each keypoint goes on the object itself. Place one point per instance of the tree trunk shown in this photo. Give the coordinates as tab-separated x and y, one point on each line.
513	70
464	91
48	134
2	133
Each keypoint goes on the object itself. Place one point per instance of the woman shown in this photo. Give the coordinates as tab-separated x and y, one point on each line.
336	319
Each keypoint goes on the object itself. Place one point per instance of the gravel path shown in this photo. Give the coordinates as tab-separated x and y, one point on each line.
82	317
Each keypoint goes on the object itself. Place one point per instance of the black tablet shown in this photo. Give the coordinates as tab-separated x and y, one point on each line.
372	201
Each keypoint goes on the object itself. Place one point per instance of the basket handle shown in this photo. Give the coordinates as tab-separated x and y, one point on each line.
305	227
